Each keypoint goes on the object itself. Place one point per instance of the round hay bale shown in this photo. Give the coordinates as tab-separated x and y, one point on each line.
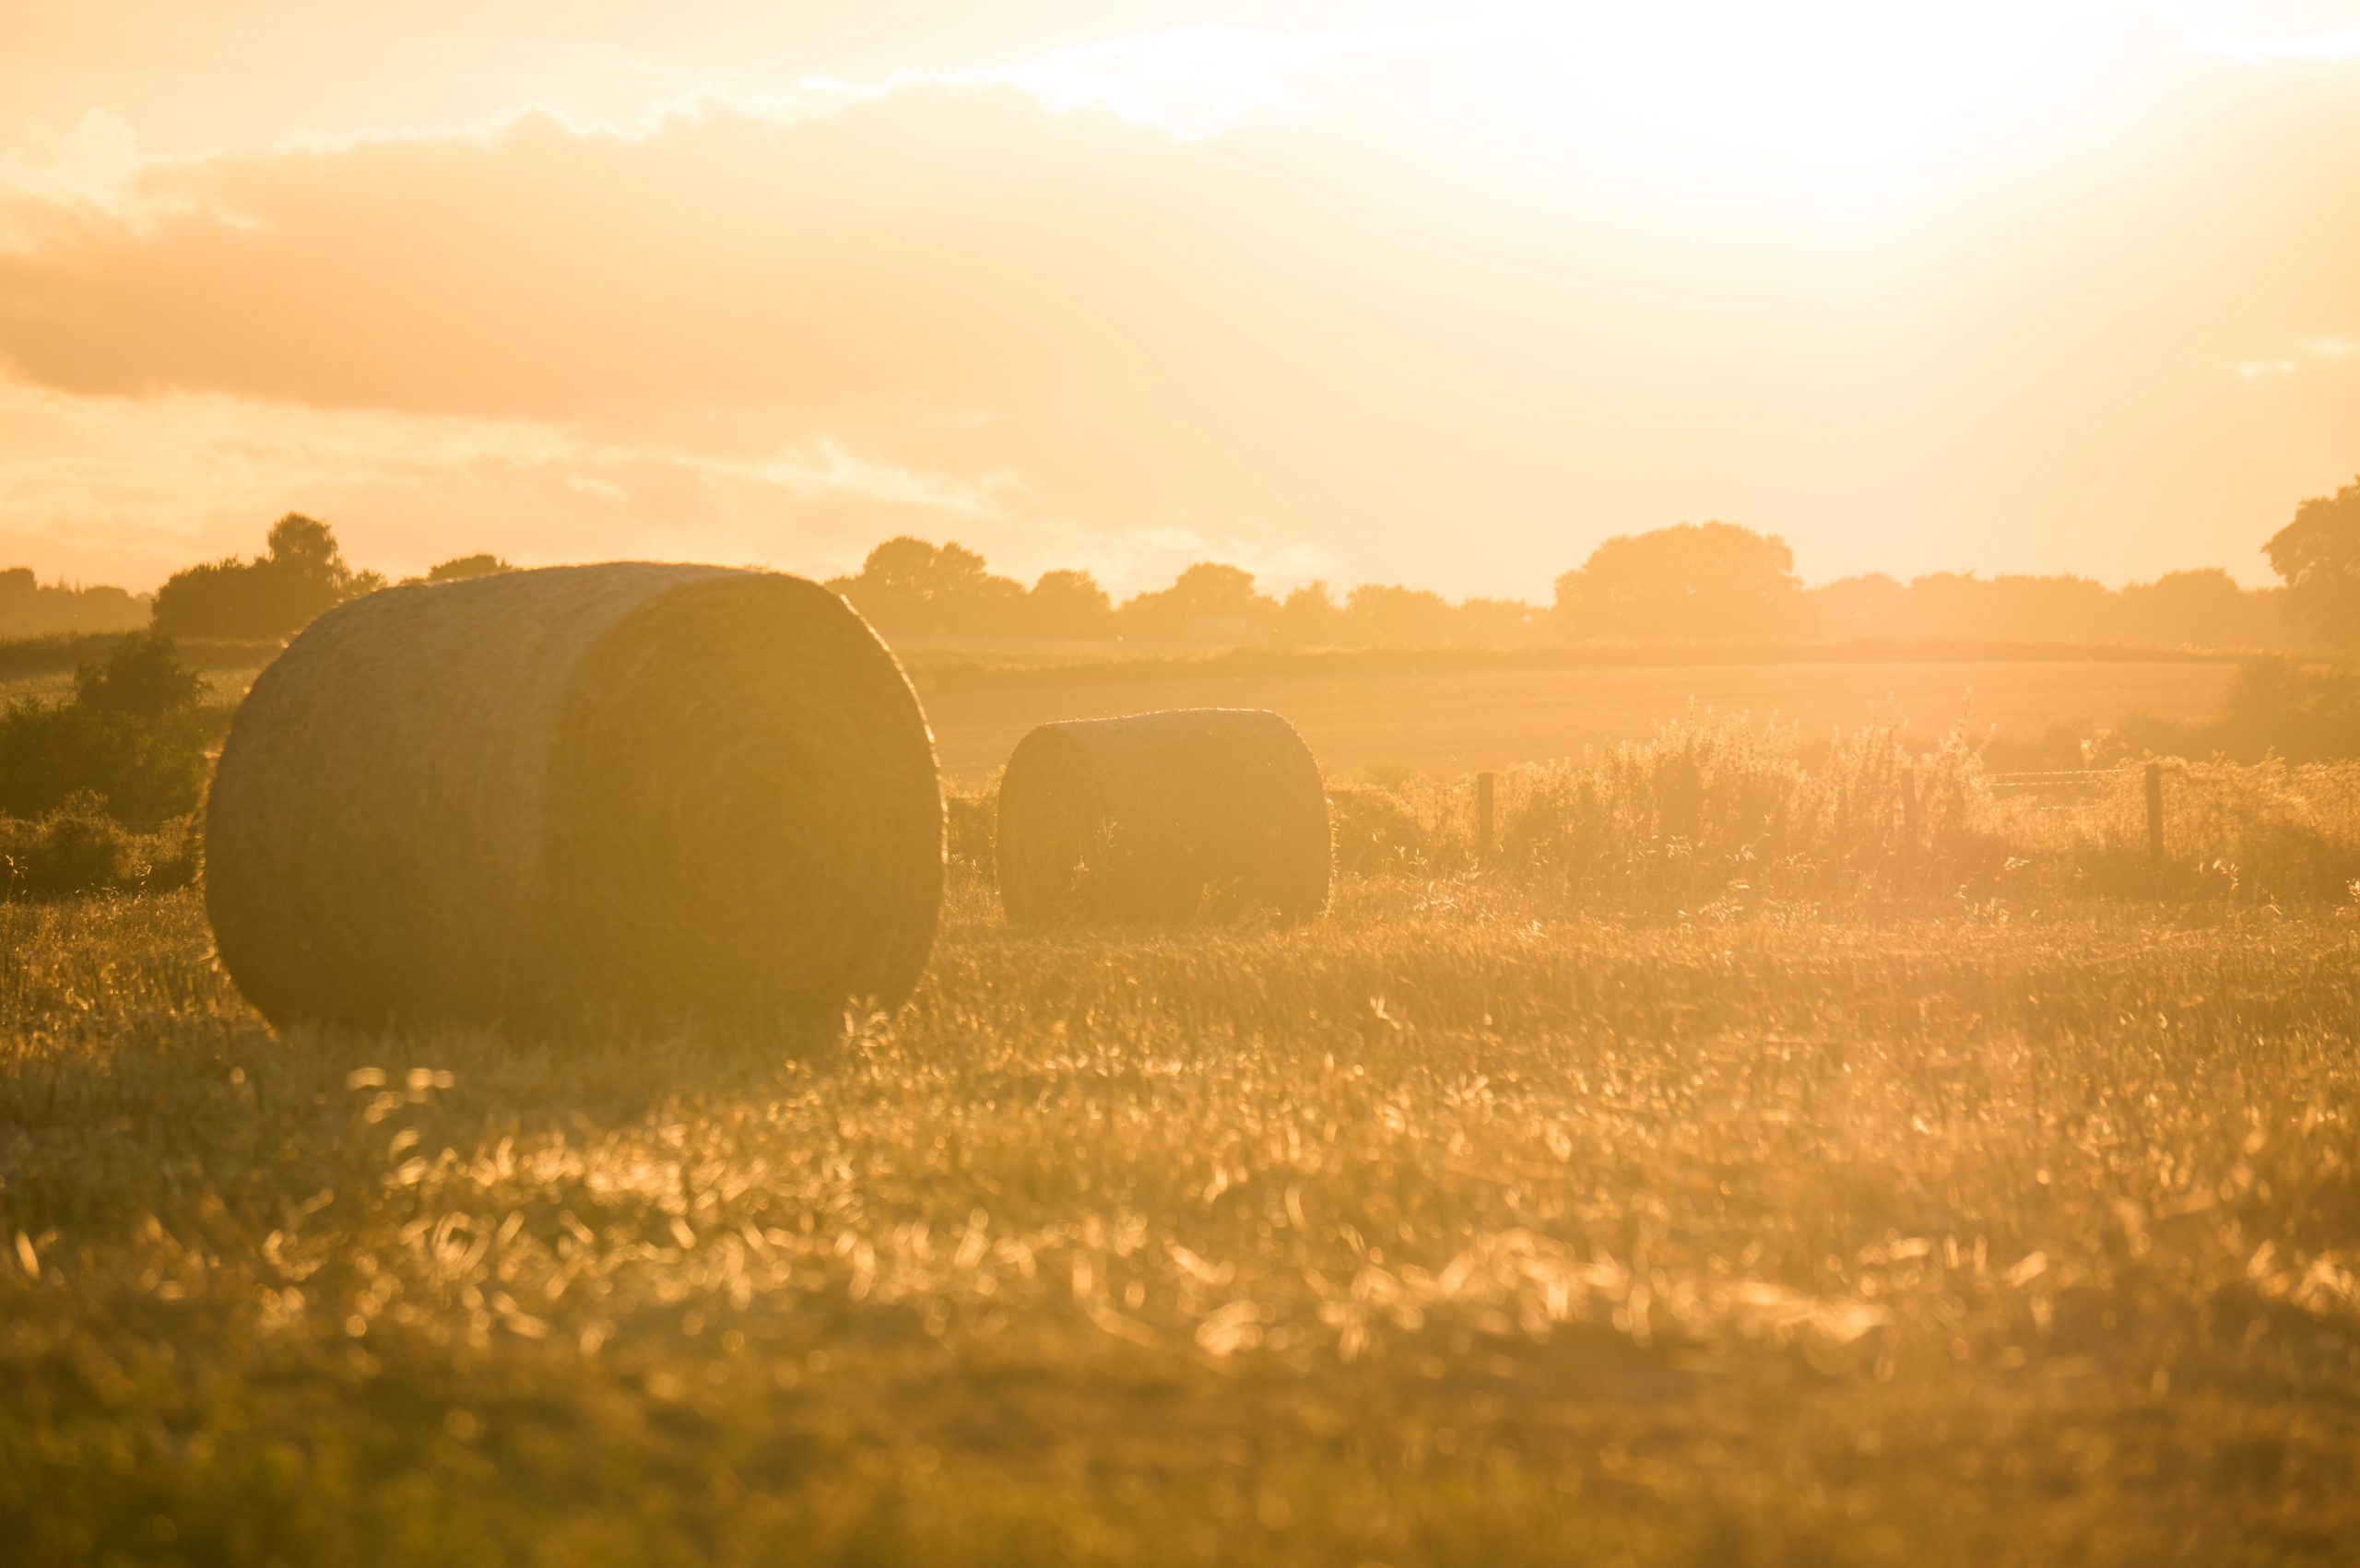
1162	818
632	792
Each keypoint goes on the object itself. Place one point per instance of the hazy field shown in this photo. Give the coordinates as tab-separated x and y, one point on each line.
1448	1230
1444	722
1759	1162
1450	720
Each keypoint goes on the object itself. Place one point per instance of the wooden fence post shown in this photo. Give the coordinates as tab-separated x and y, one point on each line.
1485	804
2155	815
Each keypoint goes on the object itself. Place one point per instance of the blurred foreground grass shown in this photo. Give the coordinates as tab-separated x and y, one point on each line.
1448	1229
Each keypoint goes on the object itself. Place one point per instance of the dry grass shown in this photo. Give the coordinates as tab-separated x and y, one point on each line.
1720	817
1460	1227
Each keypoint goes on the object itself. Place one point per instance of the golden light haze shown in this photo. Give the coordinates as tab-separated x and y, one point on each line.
1442	295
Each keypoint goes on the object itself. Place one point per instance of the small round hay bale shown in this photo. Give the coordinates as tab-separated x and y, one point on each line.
633	792
1162	818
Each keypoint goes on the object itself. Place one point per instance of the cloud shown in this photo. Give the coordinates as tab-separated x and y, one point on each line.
2329	45
2326	347
1147	332
1040	310
135	490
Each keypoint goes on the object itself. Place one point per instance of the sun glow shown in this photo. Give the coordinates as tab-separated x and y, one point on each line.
1833	90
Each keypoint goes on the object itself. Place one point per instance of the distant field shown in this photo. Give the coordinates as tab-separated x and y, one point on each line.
48	686
1449	721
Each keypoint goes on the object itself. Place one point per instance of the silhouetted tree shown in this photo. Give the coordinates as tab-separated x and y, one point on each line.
32	608
910	586
1208	600
1380	616
1069	604
2206	608
2319	555
1309	619
460	567
301	574
1495	624
1711	581
969	600
1867	607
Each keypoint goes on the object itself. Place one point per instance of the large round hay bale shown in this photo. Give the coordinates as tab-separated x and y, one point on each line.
1160	818
632	792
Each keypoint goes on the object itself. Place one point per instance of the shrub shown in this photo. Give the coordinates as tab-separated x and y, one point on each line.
143	677
2275	707
132	735
146	769
76	849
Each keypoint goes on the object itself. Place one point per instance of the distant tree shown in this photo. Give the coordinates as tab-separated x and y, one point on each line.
32	608
2207	608
1494	623
911	586
970	600
301	574
459	569
1069	604
1711	581
1309	617
2013	608
1380	616
2318	556
1865	607
1206	600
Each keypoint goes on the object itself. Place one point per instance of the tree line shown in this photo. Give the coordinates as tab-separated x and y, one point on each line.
30	608
1703	582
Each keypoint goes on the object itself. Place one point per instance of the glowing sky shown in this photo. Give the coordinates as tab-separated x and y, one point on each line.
1423	293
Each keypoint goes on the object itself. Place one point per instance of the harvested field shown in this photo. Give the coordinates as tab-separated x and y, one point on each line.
1467	1224
1443	721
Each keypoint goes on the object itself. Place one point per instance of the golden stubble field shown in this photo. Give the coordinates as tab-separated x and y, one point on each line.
1455	1228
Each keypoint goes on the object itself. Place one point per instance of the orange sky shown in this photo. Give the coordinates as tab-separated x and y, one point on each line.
1436	294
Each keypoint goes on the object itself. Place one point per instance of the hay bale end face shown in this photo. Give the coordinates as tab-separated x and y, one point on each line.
1162	818
632	791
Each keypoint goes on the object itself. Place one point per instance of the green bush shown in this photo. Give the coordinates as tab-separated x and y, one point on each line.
143	677
80	848
77	848
133	734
